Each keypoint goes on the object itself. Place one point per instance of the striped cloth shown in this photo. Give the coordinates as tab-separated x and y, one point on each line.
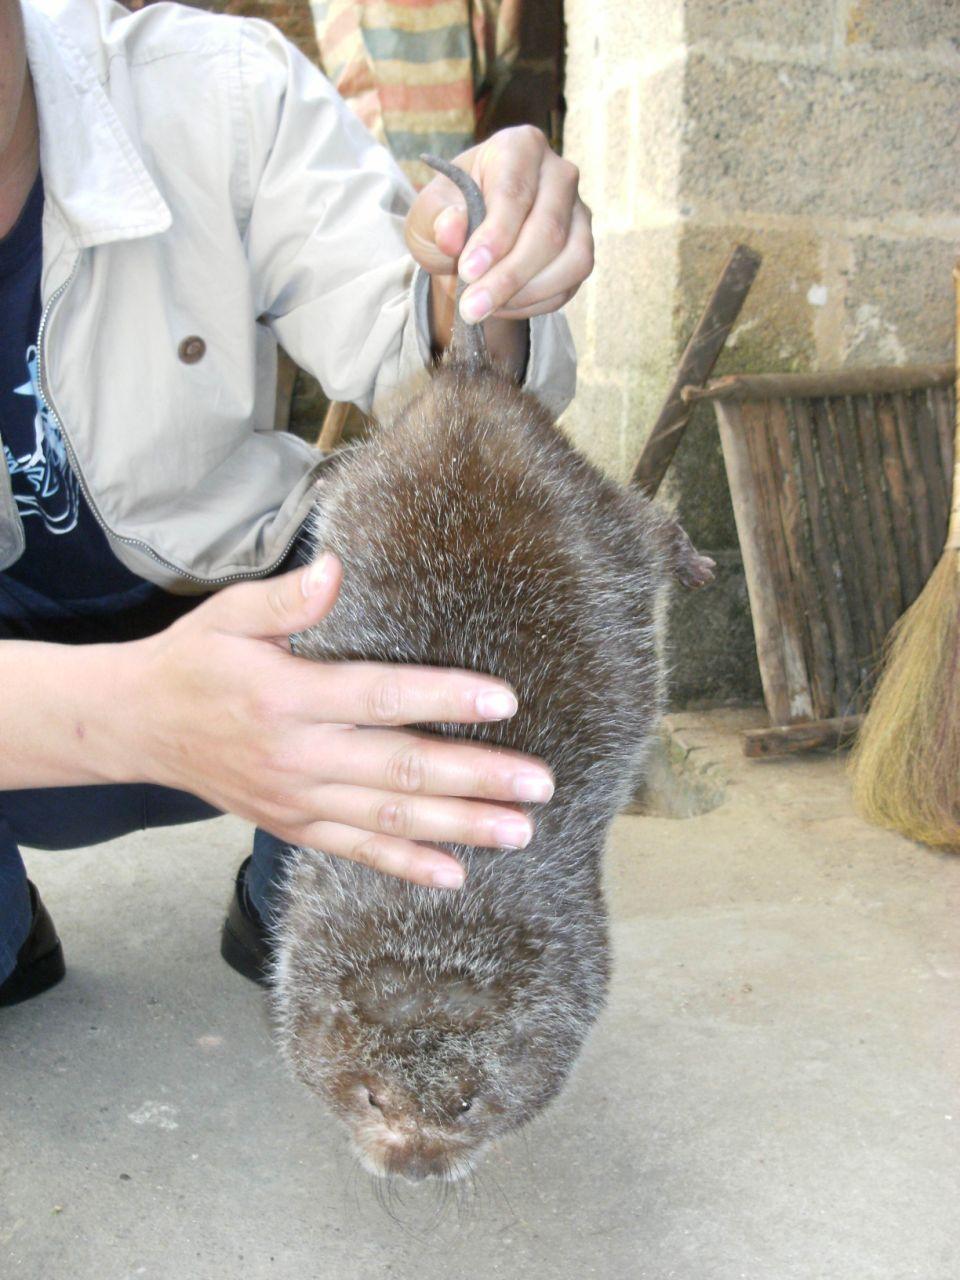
418	73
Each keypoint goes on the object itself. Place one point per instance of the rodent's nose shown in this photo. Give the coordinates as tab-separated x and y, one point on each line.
416	1169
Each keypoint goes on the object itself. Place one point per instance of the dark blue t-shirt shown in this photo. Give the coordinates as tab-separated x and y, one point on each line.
67	557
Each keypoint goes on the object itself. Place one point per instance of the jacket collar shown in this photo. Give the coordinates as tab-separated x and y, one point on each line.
91	168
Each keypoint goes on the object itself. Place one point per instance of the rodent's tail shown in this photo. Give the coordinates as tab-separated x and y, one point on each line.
468	344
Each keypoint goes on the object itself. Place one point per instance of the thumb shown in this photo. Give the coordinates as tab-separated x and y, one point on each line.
436	226
282	606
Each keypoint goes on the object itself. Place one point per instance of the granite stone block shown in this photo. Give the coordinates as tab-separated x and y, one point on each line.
807	23
803	141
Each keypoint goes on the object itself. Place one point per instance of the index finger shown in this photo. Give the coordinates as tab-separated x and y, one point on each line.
372	693
509	180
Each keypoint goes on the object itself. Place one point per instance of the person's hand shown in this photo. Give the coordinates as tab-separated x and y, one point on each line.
534	248
219	706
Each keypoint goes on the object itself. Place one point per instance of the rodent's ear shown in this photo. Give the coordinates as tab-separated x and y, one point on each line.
468	1005
313	1025
398	999
306	1045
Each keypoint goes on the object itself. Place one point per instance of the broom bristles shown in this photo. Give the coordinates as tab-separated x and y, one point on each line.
906	762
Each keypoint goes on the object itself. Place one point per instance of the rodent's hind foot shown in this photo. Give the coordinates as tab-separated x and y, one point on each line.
696	571
690	568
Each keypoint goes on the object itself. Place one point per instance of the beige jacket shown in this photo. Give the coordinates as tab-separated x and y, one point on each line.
203	180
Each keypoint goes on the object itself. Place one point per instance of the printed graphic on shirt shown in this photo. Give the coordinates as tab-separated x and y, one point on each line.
44	484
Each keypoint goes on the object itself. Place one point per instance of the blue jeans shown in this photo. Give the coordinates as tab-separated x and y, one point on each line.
74	817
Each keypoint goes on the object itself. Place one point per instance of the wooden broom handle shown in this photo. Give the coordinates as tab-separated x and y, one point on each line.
953	533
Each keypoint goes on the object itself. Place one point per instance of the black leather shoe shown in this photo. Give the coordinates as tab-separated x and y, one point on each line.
39	961
244	942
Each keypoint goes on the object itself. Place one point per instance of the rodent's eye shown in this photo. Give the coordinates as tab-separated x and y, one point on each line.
374	1102
465	1104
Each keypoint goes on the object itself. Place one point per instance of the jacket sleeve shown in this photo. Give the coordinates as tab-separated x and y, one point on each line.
324	238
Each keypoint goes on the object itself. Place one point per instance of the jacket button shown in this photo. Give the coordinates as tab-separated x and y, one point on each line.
192	349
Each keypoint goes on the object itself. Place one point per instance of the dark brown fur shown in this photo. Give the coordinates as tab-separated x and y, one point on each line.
473	535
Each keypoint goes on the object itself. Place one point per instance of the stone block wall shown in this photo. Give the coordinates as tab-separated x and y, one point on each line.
824	133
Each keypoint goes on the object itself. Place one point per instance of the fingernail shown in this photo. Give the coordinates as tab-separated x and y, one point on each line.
316	577
476	306
511	834
496	704
532	786
475	264
447	877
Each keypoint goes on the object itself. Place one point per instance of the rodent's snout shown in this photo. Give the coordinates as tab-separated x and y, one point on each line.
395	1142
419	1169
387	1160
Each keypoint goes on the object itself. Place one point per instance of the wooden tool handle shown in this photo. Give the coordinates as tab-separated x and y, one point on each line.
953	533
333	423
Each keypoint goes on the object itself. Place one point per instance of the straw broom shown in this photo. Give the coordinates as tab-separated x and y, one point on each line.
906	762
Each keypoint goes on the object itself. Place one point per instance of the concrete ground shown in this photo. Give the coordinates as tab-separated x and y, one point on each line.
773	1092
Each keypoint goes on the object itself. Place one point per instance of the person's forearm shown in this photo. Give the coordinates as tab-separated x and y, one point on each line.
62	708
316	753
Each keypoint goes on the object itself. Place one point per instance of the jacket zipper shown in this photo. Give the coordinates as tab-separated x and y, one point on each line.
110	534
